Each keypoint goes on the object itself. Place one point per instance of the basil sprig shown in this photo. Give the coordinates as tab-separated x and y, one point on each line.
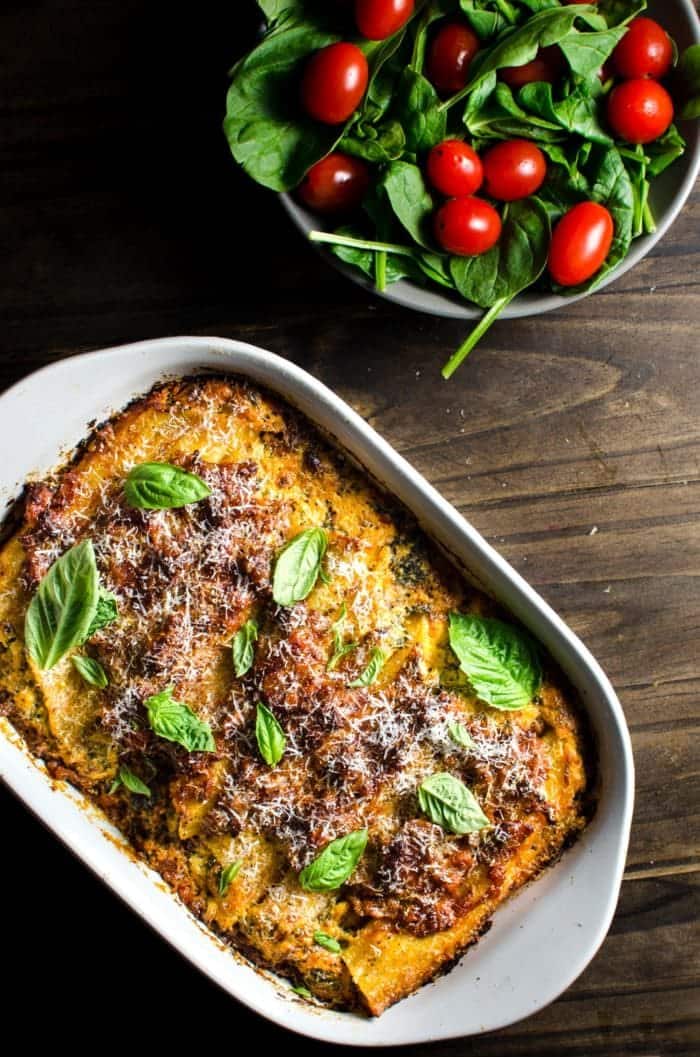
298	566
229	874
326	941
244	648
447	802
377	660
90	670
175	721
130	781
334	865
162	486
499	660
269	736
61	613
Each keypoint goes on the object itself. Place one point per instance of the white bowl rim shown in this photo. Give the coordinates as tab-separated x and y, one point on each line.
84	834
431	301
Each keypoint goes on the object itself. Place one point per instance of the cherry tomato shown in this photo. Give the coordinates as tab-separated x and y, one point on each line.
454	168
467	226
644	51
580	243
449	54
546	66
334	82
377	19
513	169
640	111
336	184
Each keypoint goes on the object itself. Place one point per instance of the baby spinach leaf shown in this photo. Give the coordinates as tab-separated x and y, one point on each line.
493	279
377	660
664	151
267	132
161	486
130	781
577	112
298	566
586	52
410	200
499	660
378	144
448	803
269	736
521	44
620	12
689	78
362	258
63	609
90	670
175	721
326	941
610	185
502	117
516	261
228	875
335	864
418	110
244	647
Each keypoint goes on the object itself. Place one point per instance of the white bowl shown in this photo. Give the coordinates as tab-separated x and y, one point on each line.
543	937
669	193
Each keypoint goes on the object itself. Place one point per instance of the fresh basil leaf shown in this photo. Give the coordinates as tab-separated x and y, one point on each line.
229	874
269	735
326	941
175	721
448	803
377	660
499	660
62	611
298	566
105	614
243	647
340	648
460	735
130	781
335	864
90	670
410	200
161	486
515	262
418	111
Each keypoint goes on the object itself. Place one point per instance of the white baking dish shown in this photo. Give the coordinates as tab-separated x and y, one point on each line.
544	937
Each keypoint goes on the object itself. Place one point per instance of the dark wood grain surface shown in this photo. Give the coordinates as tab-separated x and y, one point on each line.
571	441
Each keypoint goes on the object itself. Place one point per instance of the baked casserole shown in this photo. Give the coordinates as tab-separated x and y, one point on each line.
339	754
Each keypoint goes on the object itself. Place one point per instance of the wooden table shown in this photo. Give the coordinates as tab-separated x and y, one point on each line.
572	442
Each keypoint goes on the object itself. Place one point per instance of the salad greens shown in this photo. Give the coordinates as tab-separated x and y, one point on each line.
402	117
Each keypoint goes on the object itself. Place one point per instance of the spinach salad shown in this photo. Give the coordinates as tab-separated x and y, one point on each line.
480	147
